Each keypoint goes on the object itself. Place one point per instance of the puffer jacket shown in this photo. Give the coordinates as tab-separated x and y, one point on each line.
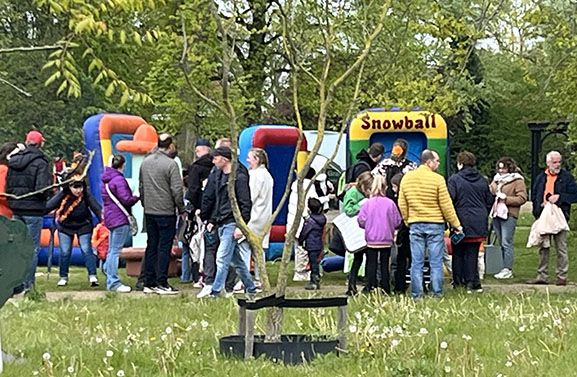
113	215
472	200
80	220
28	171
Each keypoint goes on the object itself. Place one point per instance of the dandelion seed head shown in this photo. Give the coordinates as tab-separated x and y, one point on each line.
447	369
444	345
204	324
120	373
46	356
168	330
70	369
109	353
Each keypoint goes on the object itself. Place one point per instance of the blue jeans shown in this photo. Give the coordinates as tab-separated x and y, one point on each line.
66	249
505	230
116	241
160	231
427	236
34	224
229	254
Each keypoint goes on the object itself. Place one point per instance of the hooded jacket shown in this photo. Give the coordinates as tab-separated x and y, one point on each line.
379	217
28	171
311	236
363	159
472	200
113	215
198	172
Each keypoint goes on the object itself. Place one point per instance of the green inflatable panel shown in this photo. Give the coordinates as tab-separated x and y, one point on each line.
16	252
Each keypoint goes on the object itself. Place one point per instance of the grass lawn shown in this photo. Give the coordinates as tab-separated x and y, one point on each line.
490	334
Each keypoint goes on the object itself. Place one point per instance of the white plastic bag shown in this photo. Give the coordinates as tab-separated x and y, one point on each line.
551	221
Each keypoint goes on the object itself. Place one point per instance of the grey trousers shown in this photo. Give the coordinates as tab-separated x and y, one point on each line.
562	259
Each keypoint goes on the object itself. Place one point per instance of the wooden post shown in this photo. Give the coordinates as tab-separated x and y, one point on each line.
249	335
342	326
241	321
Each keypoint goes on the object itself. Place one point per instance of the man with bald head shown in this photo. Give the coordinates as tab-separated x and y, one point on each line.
558	187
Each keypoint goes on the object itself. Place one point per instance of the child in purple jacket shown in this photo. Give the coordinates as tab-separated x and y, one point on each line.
311	237
379	217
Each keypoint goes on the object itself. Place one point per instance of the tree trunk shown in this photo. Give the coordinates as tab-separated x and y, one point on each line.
274	320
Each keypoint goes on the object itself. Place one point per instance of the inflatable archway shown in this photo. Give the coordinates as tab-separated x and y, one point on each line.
105	135
421	129
279	142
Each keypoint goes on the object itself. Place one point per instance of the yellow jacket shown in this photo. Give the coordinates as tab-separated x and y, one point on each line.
423	198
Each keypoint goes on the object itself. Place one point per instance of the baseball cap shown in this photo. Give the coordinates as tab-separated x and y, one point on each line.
34	137
202	142
222	151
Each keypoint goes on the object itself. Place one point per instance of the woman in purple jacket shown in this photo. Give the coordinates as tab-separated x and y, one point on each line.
115	219
379	216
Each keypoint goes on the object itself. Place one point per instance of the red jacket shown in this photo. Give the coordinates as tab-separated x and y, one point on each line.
4	208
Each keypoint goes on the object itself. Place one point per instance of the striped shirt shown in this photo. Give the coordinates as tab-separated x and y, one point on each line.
423	198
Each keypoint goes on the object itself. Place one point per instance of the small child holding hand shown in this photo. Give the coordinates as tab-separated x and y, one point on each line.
311	238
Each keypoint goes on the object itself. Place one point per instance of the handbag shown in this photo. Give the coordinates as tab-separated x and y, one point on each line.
131	219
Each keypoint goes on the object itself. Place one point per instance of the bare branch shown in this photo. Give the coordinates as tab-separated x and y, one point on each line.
13	86
29	49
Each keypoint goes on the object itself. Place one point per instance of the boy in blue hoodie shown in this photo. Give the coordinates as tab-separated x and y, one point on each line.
311	238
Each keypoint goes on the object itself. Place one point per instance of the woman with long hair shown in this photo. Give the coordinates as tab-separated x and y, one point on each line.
75	208
509	187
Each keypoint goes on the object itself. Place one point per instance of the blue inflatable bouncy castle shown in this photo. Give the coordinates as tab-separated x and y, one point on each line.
279	142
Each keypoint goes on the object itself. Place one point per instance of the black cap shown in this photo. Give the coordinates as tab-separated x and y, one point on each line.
222	151
203	142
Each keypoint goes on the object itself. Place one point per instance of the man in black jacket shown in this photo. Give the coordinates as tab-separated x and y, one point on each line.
366	161
28	172
198	173
556	186
217	211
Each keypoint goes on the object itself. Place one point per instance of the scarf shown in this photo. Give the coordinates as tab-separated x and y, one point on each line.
64	210
503	179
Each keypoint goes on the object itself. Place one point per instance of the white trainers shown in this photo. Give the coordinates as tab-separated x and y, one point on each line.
123	289
198	284
149	290
205	291
238	288
93	281
504	274
62	282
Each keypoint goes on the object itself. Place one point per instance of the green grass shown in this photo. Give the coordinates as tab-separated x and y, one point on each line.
513	334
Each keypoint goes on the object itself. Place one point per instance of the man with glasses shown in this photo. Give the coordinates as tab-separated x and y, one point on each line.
162	196
426	206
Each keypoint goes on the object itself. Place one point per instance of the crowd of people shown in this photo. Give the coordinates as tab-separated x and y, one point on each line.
402	208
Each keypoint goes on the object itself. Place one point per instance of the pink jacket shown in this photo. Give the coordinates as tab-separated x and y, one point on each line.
379	216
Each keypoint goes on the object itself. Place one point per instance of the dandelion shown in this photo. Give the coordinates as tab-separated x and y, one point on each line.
35	373
204	324
46	356
353	328
444	345
423	331
566	310
557	322
120	373
508	364
98	339
516	353
109	353
168	330
447	369
522	328
395	342
358	315
70	369
467	337
152	338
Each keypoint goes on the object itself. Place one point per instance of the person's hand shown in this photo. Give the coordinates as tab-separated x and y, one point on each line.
553	198
459	229
501	196
210	227
237	234
197	212
332	196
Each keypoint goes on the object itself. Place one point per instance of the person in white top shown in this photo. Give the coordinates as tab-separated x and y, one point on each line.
261	189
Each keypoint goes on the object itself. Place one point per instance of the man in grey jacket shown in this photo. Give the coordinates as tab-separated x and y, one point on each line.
161	194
